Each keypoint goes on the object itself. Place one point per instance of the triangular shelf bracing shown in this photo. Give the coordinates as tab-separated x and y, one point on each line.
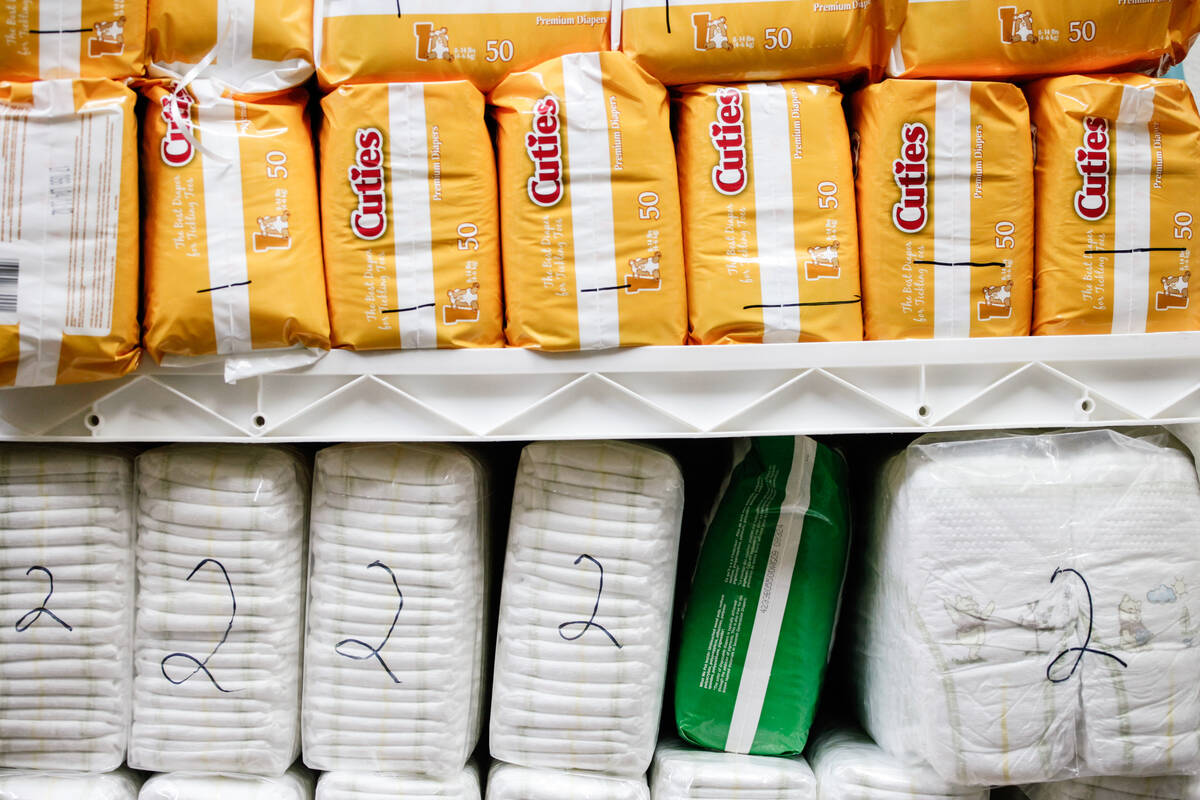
369	409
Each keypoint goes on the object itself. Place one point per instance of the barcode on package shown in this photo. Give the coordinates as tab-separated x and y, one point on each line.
10	272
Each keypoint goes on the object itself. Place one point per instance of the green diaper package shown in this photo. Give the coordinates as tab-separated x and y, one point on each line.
764	600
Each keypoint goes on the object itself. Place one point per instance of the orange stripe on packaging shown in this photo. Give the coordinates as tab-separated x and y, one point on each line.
590	198
738	40
945	209
379	41
43	39
1117	172
68	232
232	231
410	219
771	235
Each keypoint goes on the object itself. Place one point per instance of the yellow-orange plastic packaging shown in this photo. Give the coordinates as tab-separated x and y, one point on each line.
372	41
44	39
770	231
980	39
68	232
755	40
410	218
945	209
1117	177
589	195
232	233
256	45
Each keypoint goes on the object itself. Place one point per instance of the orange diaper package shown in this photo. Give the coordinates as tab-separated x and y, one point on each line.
410	219
68	232
945	209
232	233
42	39
978	39
259	46
1117	177
589	195
771	236
755	40
378	41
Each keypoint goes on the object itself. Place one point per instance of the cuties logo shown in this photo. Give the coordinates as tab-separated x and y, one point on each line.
544	146
175	148
911	174
369	219
1091	161
728	136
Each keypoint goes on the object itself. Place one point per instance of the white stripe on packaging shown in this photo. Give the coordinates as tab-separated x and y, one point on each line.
410	217
1131	210
352	8
59	53
235	21
225	222
952	210
772	602
770	154
590	185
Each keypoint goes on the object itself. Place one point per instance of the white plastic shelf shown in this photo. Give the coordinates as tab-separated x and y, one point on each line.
657	392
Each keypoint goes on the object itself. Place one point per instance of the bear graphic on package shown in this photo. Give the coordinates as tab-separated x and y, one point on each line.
646	276
823	263
970	625
108	38
1174	293
272	233
439	45
997	302
1017	28
716	36
463	305
1134	634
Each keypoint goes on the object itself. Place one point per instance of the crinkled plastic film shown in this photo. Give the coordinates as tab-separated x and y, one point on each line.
232	231
66	554
1118	163
221	555
361	41
353	785
68	232
592	245
945	209
411	227
19	785
684	42
510	782
398	616
585	609
1167	788
295	784
683	773
1040	37
52	39
1019	592
849	766
255	46
771	239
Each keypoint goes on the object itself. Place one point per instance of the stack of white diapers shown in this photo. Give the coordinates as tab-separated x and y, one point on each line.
684	773
510	782
585	609
1174	788
220	567
849	766
66	591
119	785
295	784
345	785
1027	607
397	618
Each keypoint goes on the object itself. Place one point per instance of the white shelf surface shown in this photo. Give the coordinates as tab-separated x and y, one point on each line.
654	392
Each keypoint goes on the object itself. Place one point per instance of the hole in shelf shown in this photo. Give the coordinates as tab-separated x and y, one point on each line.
1087	405
260	421
93	421
923	412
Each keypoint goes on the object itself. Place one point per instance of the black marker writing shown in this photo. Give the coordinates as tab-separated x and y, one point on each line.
591	622
202	666
373	652
31	617
1080	652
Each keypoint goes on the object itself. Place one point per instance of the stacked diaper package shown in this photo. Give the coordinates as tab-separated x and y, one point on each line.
398	640
1172	788
1026	613
682	773
220	609
119	785
359	785
585	609
295	784
66	594
511	782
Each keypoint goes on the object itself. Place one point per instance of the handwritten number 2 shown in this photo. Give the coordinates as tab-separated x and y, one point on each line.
1080	652
373	652
591	622
32	616
202	665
